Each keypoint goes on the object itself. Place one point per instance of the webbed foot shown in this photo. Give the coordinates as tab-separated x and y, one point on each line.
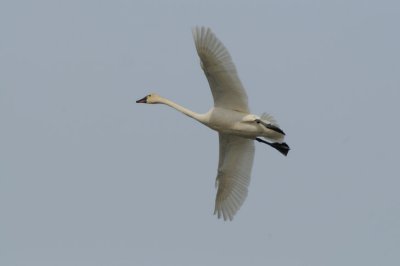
270	126
281	147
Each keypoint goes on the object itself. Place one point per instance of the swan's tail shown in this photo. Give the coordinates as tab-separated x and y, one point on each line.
282	147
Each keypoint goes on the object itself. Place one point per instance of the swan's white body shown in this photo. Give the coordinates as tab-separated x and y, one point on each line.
231	117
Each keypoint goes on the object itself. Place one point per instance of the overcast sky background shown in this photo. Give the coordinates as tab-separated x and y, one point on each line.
89	177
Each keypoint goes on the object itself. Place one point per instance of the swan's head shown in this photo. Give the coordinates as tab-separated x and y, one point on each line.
151	98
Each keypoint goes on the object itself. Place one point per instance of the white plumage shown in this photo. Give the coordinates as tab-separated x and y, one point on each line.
236	156
226	88
231	118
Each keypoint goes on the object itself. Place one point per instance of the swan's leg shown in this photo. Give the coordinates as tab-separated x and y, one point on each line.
281	147
270	126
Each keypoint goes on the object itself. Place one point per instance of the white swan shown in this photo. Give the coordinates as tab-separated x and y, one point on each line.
231	117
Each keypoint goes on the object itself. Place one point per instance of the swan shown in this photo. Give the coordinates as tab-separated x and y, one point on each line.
231	118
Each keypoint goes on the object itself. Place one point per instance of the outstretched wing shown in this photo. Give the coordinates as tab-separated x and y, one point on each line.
226	88
236	156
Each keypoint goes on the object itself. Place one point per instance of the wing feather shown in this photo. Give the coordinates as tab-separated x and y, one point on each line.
236	156
217	64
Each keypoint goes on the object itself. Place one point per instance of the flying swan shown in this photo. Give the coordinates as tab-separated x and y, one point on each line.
231	118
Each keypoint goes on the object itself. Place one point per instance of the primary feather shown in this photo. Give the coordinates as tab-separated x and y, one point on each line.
236	156
217	64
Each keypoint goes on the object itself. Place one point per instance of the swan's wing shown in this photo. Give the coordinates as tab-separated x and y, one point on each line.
234	170
226	88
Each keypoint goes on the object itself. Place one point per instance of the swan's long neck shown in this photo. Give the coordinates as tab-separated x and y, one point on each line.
199	117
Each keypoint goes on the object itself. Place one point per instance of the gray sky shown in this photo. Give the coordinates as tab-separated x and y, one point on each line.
88	177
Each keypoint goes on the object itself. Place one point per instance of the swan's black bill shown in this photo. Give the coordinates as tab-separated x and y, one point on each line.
281	147
143	100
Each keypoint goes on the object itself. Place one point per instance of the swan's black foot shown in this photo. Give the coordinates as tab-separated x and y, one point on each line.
270	126
281	147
